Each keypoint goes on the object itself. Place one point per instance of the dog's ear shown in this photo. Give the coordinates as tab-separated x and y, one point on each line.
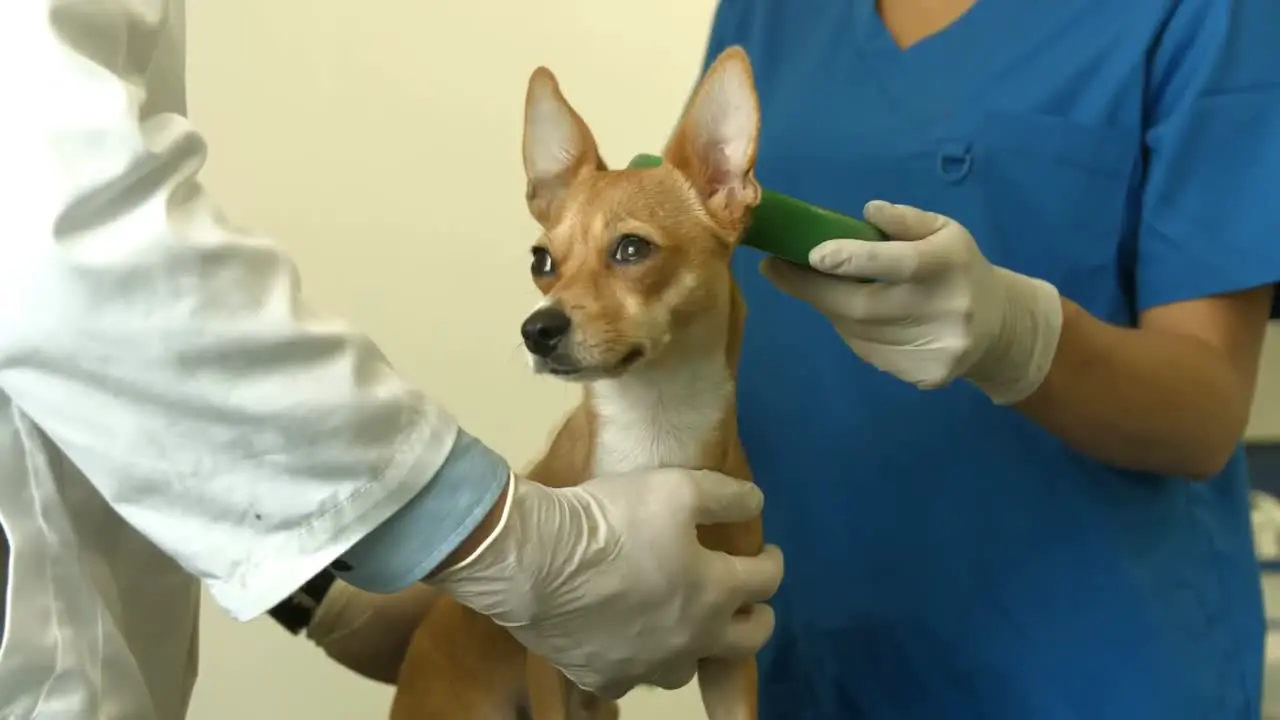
714	144
558	146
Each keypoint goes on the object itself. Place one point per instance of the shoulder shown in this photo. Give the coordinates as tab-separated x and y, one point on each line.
1215	46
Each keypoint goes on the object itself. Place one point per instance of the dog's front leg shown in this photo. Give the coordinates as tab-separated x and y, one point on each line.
728	688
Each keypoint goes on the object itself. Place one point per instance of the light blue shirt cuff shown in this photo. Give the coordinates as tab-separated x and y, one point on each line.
420	535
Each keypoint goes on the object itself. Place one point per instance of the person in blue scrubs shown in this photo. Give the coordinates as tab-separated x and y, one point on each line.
1056	526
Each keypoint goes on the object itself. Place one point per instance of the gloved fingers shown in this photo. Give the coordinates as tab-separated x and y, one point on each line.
916	364
824	292
755	579
836	297
674	675
748	632
888	260
828	294
611	691
917	247
722	499
879	304
902	222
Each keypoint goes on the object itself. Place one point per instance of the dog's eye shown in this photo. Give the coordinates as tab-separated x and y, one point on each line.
542	264
631	249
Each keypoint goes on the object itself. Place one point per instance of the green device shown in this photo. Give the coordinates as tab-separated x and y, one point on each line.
789	228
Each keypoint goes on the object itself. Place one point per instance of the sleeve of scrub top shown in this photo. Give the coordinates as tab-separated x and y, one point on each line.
169	356
1209	218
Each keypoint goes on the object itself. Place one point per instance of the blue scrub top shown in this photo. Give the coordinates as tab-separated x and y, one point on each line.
947	558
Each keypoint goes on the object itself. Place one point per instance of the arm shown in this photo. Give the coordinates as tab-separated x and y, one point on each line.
169	354
255	441
1171	396
368	633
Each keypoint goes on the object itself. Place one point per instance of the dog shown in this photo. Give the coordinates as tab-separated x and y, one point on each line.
640	308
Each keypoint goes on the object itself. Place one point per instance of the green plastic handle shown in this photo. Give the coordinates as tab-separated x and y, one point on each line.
788	228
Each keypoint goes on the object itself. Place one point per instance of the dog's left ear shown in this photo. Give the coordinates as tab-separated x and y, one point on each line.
558	146
714	144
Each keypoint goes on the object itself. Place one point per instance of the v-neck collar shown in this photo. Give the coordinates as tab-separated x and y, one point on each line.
900	75
874	36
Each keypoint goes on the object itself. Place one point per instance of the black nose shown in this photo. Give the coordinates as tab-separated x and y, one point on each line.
544	329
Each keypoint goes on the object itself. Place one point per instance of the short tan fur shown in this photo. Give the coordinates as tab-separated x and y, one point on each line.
638	261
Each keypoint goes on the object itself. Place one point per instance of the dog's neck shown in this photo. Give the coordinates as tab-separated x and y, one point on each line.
666	412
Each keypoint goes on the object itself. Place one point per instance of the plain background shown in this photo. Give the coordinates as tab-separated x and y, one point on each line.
379	142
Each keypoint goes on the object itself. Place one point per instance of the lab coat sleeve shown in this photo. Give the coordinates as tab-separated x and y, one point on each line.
169	355
1209	220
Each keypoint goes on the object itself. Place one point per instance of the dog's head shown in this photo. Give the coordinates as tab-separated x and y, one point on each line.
630	260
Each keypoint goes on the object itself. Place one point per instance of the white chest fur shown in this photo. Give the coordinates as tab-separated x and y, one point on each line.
659	417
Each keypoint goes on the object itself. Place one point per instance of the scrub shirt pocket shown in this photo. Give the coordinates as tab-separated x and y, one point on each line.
1055	195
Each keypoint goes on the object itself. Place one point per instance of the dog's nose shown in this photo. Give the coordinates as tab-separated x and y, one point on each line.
544	329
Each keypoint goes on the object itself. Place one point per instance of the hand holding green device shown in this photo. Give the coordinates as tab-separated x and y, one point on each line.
788	228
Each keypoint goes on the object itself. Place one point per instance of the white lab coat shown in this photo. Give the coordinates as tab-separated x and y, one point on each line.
169	409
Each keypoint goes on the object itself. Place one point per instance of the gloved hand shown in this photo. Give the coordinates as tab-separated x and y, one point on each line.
940	312
607	580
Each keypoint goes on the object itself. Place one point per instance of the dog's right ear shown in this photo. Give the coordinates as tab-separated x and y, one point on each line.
714	143
558	146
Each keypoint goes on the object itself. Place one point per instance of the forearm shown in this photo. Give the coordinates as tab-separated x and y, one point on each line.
1142	399
369	633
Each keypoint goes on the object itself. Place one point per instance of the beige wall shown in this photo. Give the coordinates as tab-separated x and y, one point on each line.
1265	421
379	142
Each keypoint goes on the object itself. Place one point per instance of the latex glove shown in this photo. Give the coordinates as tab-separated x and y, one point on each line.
369	633
607	580
940	312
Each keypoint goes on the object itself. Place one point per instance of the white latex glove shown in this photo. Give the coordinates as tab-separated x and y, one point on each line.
607	580
940	310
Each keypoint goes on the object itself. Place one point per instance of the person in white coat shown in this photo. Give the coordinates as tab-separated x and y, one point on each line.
172	412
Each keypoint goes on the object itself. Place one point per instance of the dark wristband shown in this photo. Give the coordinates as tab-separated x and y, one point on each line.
294	613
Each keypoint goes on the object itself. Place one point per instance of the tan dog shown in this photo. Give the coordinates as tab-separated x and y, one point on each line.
639	305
